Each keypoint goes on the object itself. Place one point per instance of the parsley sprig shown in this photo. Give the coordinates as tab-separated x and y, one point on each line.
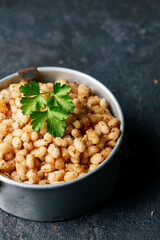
54	110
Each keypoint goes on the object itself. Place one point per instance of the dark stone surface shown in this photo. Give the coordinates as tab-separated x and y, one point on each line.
118	42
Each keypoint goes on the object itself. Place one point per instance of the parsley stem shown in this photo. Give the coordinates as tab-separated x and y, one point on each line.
47	92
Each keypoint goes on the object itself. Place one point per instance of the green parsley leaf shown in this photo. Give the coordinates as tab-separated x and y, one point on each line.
55	122
59	113
31	103
30	89
56	108
55	125
38	119
52	102
32	98
61	89
65	102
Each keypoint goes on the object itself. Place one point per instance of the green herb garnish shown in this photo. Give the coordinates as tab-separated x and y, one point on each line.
54	110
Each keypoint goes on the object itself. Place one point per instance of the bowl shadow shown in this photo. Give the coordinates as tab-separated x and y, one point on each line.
138	166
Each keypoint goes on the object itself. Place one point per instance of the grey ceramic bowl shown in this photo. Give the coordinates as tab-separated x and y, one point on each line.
69	199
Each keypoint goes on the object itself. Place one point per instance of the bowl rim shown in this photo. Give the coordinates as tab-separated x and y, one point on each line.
98	168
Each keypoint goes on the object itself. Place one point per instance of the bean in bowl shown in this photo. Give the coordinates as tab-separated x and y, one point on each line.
35	156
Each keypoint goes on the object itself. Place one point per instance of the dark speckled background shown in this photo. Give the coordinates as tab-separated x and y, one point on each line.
117	42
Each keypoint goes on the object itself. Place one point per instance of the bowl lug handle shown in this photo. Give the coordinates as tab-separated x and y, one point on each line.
28	73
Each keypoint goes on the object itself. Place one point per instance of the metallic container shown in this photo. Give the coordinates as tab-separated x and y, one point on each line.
69	199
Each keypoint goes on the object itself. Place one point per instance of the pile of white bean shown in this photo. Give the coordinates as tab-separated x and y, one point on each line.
40	158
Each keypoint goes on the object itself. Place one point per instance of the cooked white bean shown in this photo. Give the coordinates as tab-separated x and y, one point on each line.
37	157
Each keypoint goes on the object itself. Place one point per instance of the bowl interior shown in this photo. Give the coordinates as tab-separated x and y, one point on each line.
51	74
